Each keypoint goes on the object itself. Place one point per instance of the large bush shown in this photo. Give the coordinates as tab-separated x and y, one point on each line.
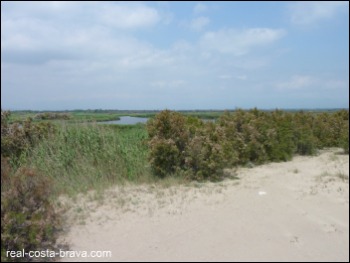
185	145
205	156
28	218
168	140
18	139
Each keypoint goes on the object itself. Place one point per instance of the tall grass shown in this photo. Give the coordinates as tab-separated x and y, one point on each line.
80	157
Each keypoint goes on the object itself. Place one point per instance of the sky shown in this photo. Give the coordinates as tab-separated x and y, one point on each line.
175	55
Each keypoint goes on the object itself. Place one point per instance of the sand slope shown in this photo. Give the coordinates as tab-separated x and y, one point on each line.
292	211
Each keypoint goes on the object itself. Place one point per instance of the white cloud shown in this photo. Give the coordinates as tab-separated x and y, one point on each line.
25	33
126	17
230	77
296	82
225	77
309	13
336	84
167	84
158	84
41	9
51	41
199	8
98	54
240	42
241	77
48	34
307	82
199	23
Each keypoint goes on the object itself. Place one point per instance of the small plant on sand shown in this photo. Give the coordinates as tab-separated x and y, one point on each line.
341	175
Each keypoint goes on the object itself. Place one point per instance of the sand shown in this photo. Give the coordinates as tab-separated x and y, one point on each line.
290	211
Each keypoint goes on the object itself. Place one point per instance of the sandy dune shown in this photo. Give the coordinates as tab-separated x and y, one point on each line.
292	211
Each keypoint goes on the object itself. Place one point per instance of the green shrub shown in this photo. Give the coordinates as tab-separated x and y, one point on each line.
204	159
165	156
17	140
52	116
344	137
169	136
186	146
304	138
201	150
258	136
28	219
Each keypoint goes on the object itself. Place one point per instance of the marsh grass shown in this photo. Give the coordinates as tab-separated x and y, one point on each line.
72	116
81	157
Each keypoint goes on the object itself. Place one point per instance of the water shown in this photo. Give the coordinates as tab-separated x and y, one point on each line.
127	120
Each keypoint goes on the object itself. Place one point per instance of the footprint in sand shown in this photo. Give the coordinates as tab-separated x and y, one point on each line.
294	240
330	228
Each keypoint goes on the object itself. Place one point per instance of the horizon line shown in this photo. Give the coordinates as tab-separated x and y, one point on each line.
203	109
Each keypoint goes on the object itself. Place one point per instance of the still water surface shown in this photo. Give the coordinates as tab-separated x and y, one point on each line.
127	120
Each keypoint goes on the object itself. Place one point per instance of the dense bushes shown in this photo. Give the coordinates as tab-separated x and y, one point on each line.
180	144
17	139
52	116
28	218
200	150
168	139
204	155
344	138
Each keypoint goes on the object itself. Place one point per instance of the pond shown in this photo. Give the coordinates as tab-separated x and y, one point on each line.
126	120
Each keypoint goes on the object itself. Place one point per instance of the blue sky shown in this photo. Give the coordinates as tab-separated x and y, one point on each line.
175	55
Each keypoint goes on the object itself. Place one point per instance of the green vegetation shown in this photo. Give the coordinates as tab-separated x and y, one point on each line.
93	116
201	150
81	157
68	116
180	144
28	218
52	116
43	158
17	140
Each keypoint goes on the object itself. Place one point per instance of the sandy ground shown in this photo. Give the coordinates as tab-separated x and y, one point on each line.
291	211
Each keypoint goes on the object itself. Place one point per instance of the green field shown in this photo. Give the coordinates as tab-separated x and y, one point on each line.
110	115
105	115
75	116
